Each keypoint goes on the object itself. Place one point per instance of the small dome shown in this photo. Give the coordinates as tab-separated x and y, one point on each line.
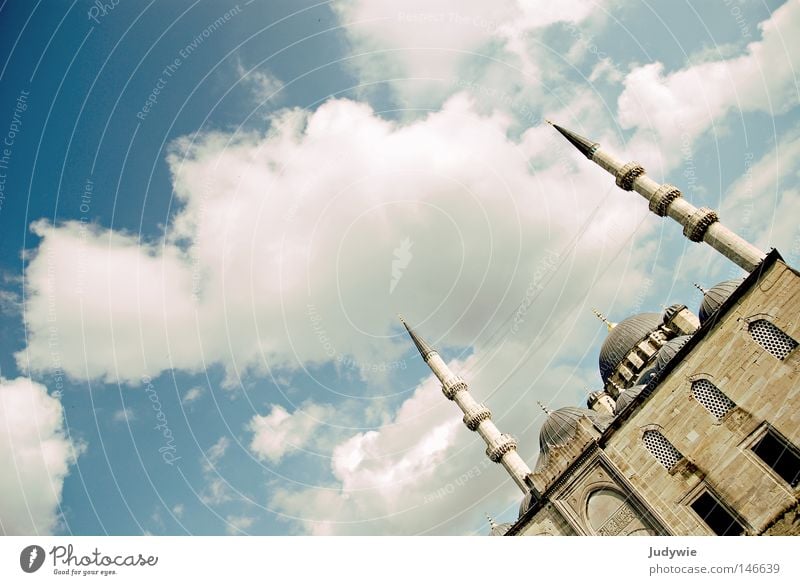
561	426
626	397
671	311
715	296
668	351
645	376
500	529
623	338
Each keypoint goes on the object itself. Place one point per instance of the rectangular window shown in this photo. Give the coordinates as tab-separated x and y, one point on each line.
717	516
780	455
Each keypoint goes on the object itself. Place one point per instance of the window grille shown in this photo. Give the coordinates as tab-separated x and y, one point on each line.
661	449
712	398
771	338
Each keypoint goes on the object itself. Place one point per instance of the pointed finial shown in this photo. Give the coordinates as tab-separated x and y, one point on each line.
602	317
700	288
492	523
586	147
549	122
543	407
425	350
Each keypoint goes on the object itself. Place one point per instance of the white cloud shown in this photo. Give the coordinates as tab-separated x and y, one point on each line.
420	47
263	85
124	414
217	490
238	524
35	456
280	259
266	262
279	432
680	105
192	394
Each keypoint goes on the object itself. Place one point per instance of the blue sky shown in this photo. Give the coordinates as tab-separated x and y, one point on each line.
199	286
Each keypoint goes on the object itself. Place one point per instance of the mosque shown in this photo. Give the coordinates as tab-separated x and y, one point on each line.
696	430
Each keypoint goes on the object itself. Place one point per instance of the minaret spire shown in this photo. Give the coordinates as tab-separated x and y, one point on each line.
699	225
700	288
602	317
500	448
584	145
425	350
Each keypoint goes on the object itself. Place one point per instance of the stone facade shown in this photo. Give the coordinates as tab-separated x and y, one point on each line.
609	482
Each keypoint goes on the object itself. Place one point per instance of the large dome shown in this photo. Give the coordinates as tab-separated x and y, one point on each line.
561	426
715	296
623	338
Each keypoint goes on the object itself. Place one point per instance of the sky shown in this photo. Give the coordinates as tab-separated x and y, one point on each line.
211	214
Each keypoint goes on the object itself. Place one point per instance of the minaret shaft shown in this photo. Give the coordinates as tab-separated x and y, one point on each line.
699	224
500	448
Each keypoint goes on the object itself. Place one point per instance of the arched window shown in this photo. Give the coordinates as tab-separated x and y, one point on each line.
771	338
610	513
660	448
712	398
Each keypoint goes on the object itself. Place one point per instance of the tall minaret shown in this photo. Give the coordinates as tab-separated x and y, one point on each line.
699	225
500	448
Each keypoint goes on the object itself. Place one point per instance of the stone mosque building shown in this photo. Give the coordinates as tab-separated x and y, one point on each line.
697	428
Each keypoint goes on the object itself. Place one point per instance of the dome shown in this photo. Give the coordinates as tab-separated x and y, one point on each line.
561	426
645	376
624	338
715	296
668	351
500	529
671	311
626	397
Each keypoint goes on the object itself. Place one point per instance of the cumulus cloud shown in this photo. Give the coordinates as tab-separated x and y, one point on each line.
681	105
35	456
281	258
279	432
420	47
423	471
281	254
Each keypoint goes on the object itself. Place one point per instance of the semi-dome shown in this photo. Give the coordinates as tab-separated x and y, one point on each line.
626	397
668	351
623	338
561	426
715	296
526	503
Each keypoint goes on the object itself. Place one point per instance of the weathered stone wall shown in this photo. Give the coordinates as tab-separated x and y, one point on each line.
787	524
717	454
